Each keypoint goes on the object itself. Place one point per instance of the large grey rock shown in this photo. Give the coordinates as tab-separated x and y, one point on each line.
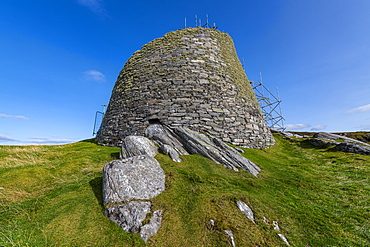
150	229
138	177
321	143
161	134
215	149
331	136
246	210
129	216
185	141
137	145
350	147
346	144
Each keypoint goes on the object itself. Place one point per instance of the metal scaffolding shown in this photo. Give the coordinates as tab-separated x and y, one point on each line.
99	115
270	105
198	23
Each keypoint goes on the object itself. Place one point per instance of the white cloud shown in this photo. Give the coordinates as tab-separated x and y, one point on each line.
15	117
4	138
96	6
93	75
363	108
296	126
318	127
48	141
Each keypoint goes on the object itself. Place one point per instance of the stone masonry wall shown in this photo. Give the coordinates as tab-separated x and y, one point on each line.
190	77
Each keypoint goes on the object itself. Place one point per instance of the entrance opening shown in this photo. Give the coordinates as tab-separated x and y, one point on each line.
154	121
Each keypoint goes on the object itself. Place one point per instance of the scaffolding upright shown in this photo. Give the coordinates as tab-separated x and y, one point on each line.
99	115
270	105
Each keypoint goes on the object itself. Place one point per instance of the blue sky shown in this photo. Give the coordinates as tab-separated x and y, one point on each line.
59	59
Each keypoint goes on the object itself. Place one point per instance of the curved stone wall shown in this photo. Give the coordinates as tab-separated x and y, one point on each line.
190	77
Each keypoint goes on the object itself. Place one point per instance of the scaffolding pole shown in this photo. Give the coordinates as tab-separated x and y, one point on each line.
270	105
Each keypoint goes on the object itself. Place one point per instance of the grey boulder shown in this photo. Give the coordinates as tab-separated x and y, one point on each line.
137	145
138	177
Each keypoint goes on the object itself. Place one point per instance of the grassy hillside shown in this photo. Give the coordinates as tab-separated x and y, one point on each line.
51	196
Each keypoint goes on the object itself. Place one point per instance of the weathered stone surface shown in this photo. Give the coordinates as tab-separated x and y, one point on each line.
276	225
213	148
246	210
321	143
129	216
163	135
152	228
290	136
167	149
138	177
187	81
331	136
350	147
137	145
345	144
231	237
284	239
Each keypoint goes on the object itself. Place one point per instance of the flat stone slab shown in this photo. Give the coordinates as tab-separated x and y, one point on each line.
247	211
214	149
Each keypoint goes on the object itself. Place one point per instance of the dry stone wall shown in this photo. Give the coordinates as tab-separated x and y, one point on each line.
189	78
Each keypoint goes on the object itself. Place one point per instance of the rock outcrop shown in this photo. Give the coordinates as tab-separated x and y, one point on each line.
185	141
340	143
128	184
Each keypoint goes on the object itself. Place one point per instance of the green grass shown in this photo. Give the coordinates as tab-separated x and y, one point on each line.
52	197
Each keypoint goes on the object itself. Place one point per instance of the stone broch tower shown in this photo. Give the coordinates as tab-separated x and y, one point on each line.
190	77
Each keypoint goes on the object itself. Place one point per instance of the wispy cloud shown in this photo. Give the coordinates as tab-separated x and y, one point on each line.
296	126
4	138
318	127
93	75
15	117
48	141
96	6
363	108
